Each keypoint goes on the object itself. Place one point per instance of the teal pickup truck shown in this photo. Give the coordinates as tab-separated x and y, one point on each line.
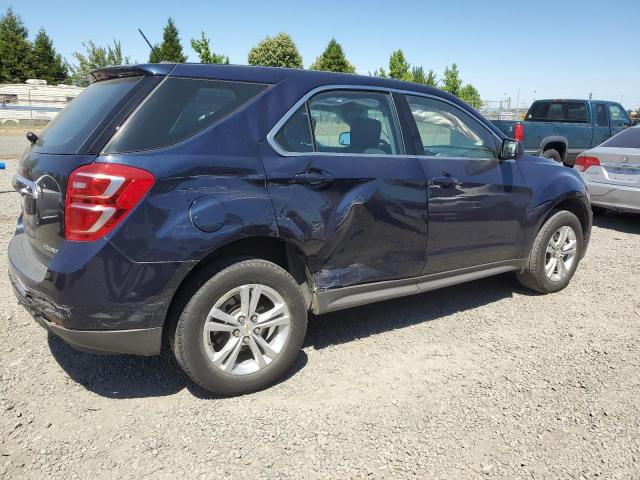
561	129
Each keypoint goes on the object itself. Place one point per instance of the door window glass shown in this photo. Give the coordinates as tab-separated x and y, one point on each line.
618	115
295	135
355	123
447	131
601	115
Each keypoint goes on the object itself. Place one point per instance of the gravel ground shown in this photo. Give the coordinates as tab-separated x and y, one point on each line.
474	381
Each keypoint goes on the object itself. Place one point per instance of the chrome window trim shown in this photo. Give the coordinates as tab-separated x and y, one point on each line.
276	128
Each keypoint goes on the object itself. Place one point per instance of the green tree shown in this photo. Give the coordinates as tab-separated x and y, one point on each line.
278	51
399	67
202	47
96	57
381	72
452	82
470	95
432	79
15	49
333	59
170	50
47	64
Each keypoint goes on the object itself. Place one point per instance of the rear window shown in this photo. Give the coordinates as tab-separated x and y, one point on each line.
71	128
629	138
178	109
575	112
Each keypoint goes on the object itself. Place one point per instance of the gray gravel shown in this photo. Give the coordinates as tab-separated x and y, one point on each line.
474	381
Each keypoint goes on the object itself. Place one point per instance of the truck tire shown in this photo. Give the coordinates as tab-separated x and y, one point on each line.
552	154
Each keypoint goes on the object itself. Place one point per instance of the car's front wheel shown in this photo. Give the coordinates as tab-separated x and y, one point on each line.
555	254
241	330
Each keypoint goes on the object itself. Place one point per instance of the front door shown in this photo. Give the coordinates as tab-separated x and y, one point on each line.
477	203
344	192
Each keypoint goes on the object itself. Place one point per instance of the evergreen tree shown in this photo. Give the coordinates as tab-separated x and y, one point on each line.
399	67
278	51
96	57
470	95
47	64
15	49
333	60
432	79
203	48
452	82
170	50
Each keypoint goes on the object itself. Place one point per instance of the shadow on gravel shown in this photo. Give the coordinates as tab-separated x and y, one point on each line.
620	222
361	322
129	376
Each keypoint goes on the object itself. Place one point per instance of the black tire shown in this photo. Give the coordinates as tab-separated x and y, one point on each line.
533	276
188	344
597	211
552	154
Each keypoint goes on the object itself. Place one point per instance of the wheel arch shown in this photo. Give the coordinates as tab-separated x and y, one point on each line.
270	248
559	143
575	203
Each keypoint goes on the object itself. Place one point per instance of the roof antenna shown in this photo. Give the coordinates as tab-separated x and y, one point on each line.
149	43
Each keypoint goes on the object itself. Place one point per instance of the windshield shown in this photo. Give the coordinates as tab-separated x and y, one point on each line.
73	126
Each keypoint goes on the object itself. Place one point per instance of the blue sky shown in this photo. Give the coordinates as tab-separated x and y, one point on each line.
500	46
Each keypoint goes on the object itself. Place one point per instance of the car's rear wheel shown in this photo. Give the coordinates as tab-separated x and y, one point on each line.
243	329
555	254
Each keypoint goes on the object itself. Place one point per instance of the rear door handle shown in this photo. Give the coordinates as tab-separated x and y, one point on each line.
445	181
314	178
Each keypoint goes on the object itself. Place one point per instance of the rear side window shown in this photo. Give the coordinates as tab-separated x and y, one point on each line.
178	109
629	138
601	115
345	122
574	112
71	128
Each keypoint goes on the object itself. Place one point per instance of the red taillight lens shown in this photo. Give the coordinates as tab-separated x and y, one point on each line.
518	132
99	195
583	162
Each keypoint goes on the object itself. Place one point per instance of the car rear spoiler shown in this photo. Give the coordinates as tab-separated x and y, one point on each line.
121	71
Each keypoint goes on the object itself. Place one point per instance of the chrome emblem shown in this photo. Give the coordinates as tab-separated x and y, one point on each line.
625	159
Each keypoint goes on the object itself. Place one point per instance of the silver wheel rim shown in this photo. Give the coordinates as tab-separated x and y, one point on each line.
561	253
246	329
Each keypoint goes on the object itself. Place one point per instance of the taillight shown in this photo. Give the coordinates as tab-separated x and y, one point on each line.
99	196
518	132
583	162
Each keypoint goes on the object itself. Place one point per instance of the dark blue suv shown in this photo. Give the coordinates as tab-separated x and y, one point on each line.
209	208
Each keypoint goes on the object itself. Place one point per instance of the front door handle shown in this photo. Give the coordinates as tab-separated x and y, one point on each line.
446	181
314	178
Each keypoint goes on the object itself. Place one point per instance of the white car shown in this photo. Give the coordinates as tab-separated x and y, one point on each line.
612	172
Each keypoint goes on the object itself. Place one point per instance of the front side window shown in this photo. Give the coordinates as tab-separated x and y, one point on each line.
347	122
178	109
618	116
446	131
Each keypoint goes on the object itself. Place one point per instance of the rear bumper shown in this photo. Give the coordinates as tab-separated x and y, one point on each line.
143	341
93	297
615	197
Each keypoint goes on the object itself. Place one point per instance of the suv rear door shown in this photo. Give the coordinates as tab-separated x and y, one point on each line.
345	191
72	139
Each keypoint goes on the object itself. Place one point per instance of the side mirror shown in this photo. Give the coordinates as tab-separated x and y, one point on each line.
511	149
345	139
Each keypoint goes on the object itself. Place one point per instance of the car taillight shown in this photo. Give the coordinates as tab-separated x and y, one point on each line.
583	162
518	132
99	196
